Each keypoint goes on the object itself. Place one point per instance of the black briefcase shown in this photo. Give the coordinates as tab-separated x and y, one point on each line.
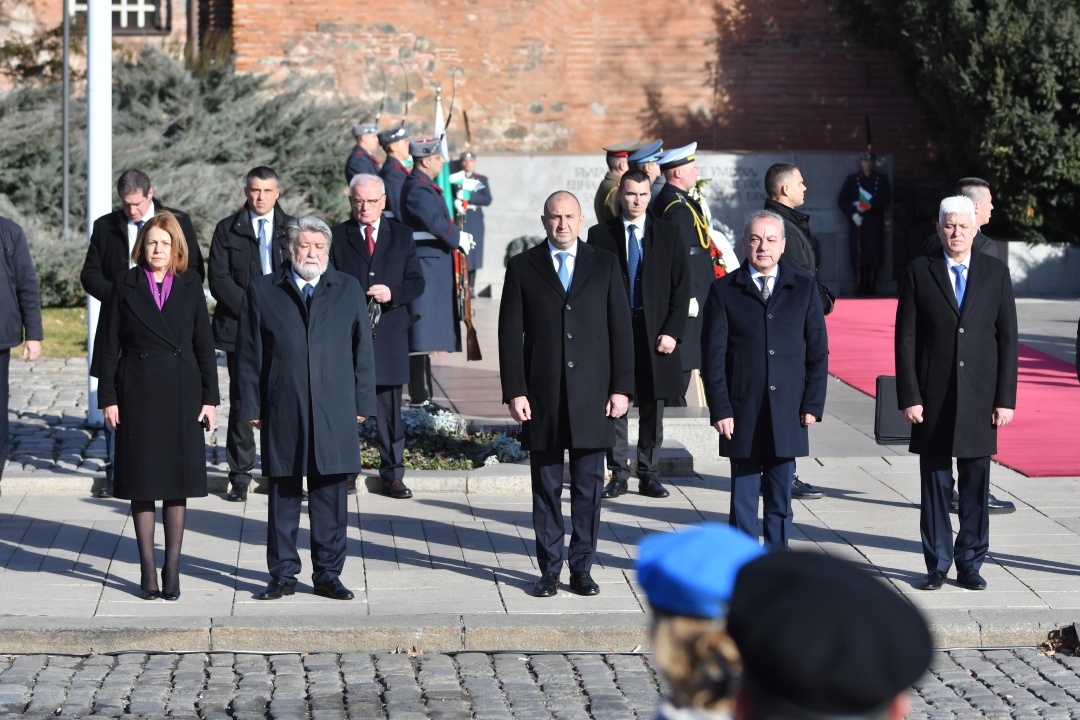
889	425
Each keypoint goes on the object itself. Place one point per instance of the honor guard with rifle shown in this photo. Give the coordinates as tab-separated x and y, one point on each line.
606	205
423	208
395	143
475	196
361	159
863	199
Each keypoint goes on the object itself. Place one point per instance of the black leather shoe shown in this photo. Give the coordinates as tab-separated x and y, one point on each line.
334	590
547	585
351	487
932	581
148	594
803	491
614	489
583	584
1000	507
105	491
396	489
277	589
651	487
970	579
237	493
174	595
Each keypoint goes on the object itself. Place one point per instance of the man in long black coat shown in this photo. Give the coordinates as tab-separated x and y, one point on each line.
675	205
307	377
653	263
567	368
956	374
246	245
109	255
765	368
389	273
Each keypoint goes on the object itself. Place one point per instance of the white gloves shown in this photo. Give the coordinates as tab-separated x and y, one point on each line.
857	218
855	204
466	243
459	207
693	308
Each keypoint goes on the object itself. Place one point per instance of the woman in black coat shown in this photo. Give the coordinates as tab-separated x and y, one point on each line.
154	356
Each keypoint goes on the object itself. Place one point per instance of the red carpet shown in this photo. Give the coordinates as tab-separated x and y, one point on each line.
1041	439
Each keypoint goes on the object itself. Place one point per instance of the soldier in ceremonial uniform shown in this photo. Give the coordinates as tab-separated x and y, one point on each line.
395	143
606	205
675	205
361	159
863	199
645	159
474	218
423	209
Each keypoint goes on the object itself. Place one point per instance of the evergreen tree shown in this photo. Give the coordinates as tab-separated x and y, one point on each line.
1000	84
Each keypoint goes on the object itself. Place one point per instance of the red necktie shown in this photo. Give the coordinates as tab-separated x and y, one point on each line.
370	232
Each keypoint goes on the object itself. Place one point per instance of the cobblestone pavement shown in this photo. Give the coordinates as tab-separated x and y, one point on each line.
1016	683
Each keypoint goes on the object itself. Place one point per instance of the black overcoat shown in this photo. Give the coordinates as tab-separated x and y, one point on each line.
675	206
360	162
799	249
158	366
423	206
20	305
306	378
665	291
765	361
234	260
567	352
108	256
958	364
396	266
393	174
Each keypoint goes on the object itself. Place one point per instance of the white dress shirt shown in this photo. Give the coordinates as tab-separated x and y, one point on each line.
133	232
266	252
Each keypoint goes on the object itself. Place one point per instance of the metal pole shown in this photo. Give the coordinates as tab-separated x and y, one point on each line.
66	204
192	32
98	149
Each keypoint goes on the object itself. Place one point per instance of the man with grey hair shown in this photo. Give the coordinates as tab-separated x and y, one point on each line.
765	357
307	377
956	368
381	255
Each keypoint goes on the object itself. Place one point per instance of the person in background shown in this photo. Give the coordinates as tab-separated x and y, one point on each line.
863	199
474	215
395	171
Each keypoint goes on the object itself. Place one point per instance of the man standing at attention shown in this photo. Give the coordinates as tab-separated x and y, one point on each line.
653	264
956	368
766	358
307	377
361	159
380	254
605	205
567	367
246	245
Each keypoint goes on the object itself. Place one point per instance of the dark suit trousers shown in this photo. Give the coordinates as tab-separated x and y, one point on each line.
328	512
240	437
747	476
973	538
5	441
391	431
650	439
586	484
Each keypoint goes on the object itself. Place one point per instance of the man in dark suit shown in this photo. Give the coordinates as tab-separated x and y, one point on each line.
361	159
380	254
307	377
109	255
956	368
765	368
653	263
246	245
567	368
395	171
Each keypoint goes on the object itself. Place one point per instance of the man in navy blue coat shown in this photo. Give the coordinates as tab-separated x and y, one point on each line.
765	360
361	159
395	171
380	254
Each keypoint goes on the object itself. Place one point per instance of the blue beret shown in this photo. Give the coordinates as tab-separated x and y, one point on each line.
646	153
693	572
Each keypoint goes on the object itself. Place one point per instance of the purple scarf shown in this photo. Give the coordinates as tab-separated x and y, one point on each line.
166	287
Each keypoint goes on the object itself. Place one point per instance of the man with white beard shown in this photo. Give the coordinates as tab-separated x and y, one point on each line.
307	377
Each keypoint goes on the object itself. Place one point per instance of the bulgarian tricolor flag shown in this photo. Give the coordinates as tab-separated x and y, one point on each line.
443	180
864	199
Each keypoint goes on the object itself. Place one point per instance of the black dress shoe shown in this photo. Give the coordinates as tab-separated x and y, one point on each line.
149	594
105	491
276	589
970	579
174	595
334	590
614	489
651	487
583	584
1000	507
237	493
396	489
803	491
933	580
547	585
